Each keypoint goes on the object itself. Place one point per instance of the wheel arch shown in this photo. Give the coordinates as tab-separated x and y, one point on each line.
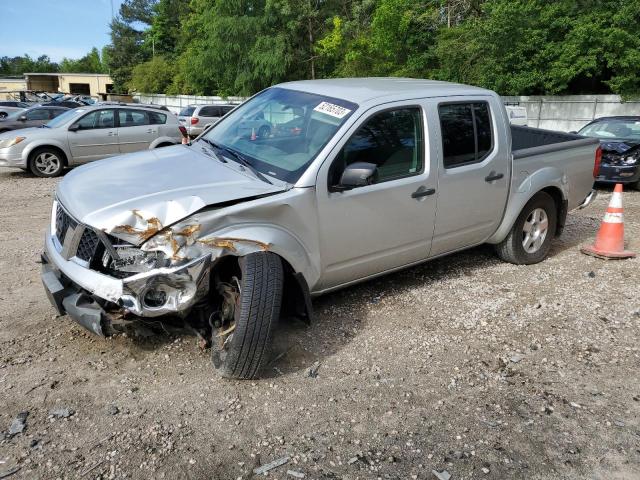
62	153
548	180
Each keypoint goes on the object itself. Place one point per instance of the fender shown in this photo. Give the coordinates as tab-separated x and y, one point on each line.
523	188
272	238
47	142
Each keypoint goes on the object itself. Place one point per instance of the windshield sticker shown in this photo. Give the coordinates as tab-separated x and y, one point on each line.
334	110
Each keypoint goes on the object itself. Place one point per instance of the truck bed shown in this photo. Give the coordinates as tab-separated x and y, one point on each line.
527	141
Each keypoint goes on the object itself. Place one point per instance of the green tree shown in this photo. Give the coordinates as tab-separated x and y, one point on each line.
127	47
90	63
152	76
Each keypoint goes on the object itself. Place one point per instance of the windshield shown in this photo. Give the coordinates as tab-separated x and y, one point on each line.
187	111
65	117
17	114
627	129
281	131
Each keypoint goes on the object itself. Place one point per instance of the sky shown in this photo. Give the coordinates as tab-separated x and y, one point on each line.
57	28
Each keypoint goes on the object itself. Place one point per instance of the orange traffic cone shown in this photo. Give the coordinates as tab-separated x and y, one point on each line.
610	239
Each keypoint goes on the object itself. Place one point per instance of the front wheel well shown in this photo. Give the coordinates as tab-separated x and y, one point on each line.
296	299
36	150
561	207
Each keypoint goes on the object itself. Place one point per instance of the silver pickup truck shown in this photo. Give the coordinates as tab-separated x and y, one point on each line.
357	178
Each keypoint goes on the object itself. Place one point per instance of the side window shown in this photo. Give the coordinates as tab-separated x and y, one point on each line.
97	119
132	118
54	112
210	112
225	110
38	114
466	133
393	140
156	118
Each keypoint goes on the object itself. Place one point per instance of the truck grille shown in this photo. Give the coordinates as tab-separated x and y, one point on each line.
89	241
90	247
63	222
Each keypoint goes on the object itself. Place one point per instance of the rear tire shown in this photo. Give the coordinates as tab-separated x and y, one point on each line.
530	237
256	315
46	162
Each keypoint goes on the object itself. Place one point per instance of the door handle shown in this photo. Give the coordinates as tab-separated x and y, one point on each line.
423	192
151	131
493	176
113	134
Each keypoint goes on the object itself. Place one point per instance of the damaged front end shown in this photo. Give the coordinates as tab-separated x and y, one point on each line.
137	268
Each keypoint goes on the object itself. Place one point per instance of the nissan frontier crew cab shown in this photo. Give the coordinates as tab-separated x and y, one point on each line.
359	177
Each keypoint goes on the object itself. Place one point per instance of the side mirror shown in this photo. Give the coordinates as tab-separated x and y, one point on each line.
22	118
358	174
74	128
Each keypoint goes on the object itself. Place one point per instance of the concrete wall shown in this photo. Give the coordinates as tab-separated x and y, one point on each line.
563	113
571	112
175	103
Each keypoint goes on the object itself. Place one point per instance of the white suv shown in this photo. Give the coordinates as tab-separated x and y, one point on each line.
86	134
195	118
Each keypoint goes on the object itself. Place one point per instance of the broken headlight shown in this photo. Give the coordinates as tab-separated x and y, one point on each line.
630	159
130	260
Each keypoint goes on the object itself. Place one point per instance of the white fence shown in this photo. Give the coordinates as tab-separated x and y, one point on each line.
563	113
175	103
571	112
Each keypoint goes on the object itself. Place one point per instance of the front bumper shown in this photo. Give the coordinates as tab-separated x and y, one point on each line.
11	157
589	199
618	173
82	293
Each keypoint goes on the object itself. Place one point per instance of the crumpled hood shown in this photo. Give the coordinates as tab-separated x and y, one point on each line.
618	147
153	189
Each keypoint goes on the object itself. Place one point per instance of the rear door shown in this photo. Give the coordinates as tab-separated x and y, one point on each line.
96	137
135	131
474	172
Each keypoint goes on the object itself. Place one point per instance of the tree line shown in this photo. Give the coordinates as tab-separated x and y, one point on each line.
238	47
92	62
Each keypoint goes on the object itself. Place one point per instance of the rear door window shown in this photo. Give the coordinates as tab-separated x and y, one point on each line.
156	118
210	112
132	118
466	133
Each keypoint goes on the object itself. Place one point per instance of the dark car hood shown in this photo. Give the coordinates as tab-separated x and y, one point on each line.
160	186
619	146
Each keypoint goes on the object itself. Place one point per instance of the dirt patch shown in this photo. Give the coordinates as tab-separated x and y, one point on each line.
464	364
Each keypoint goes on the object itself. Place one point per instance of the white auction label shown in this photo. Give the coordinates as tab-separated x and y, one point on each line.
333	110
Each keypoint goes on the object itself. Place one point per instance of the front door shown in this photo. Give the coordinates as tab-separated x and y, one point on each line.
474	172
96	137
136	131
385	225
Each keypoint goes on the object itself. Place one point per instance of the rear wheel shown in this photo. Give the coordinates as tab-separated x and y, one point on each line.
530	237
46	162
248	314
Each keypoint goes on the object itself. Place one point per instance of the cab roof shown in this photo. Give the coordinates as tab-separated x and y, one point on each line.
364	90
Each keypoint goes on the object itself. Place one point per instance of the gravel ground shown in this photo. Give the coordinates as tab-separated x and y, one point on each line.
465	365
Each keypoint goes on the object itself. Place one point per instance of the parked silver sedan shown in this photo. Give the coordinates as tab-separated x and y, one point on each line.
86	134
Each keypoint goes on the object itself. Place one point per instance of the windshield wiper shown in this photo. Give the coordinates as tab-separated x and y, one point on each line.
215	147
243	161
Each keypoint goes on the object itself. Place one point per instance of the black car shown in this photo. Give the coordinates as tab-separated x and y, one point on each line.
620	141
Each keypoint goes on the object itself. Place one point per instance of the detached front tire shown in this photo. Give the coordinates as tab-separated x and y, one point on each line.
529	240
257	310
46	162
